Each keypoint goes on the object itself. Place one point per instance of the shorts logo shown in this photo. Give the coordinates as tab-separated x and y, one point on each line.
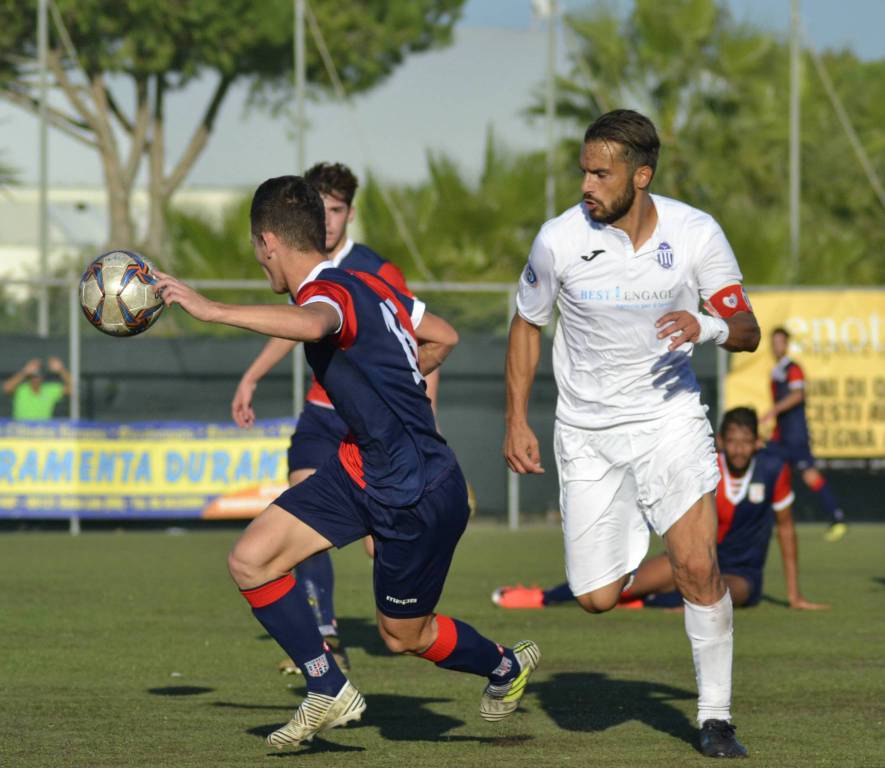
730	301
530	277
664	255
400	600
317	667
756	494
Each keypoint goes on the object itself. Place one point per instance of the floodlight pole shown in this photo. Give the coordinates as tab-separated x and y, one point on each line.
795	157
550	187
300	128
43	217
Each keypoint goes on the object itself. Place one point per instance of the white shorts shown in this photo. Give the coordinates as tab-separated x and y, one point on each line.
617	483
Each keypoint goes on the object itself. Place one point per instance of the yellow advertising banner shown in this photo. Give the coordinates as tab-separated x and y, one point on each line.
838	338
162	469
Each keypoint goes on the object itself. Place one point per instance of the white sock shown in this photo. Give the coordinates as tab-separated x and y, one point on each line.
709	628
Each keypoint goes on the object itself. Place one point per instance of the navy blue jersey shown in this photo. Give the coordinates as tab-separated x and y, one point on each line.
746	506
369	368
356	257
792	428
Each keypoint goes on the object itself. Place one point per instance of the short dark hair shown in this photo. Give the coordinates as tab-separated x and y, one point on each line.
334	179
293	210
783	331
740	417
634	132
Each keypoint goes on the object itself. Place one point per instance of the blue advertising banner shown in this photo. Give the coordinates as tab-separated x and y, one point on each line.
61	469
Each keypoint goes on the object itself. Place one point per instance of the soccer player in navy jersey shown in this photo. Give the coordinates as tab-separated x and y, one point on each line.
393	477
320	429
790	439
753	496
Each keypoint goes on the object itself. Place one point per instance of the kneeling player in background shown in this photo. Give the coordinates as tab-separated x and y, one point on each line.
394	476
753	495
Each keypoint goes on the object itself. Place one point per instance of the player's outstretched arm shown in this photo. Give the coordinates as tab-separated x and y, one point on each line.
308	323
241	406
521	448
786	535
436	339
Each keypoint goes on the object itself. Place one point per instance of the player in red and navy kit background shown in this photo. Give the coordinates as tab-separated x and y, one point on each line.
753	496
393	477
320	430
790	439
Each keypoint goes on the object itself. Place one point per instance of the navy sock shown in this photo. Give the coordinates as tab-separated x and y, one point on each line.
561	593
281	607
461	648
829	503
318	578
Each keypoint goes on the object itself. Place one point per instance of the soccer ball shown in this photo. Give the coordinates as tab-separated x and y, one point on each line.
117	294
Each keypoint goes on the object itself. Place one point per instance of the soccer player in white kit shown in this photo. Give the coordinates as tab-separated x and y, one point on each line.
628	271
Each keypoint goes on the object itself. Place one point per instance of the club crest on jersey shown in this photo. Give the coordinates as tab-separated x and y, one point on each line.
530	277
756	493
664	255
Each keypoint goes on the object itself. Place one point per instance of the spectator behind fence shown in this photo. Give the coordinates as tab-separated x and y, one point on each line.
34	398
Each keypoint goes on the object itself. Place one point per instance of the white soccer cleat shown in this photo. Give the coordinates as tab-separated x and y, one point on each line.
499	701
319	713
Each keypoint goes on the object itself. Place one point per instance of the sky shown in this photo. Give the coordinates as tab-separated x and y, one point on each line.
441	101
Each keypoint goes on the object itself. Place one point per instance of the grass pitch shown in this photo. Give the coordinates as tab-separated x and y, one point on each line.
134	649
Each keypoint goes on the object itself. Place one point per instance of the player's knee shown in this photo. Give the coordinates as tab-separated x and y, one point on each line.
244	568
399	642
597	602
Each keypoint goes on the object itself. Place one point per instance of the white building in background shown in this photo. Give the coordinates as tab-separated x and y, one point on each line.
78	222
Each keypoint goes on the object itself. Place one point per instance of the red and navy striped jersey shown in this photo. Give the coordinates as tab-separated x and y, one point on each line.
369	368
356	257
746	506
787	377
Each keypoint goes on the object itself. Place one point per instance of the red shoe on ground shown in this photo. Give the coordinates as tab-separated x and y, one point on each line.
518	597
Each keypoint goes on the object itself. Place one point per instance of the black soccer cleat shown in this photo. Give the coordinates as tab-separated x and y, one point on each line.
718	740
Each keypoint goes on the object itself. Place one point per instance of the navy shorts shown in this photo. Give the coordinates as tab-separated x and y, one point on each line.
316	438
796	454
413	545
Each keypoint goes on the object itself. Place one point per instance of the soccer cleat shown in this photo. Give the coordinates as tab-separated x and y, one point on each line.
718	740
518	597
499	701
319	713
836	532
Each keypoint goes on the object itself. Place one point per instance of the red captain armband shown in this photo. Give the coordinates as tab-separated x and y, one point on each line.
728	301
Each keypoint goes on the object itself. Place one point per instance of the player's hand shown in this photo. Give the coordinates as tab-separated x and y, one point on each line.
801	604
681	326
241	406
32	367
173	291
55	365
521	450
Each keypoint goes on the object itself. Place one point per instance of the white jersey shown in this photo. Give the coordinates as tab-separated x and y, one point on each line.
610	367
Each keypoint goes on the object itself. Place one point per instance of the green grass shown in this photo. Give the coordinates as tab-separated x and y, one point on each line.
134	649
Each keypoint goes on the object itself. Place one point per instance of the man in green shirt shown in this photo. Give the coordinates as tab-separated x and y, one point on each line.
34	399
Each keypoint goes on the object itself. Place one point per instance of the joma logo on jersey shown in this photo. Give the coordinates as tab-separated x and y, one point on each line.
664	255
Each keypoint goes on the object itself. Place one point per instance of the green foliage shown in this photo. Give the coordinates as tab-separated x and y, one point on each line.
718	93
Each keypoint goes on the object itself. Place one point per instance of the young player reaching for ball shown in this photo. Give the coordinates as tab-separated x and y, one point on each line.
394	477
